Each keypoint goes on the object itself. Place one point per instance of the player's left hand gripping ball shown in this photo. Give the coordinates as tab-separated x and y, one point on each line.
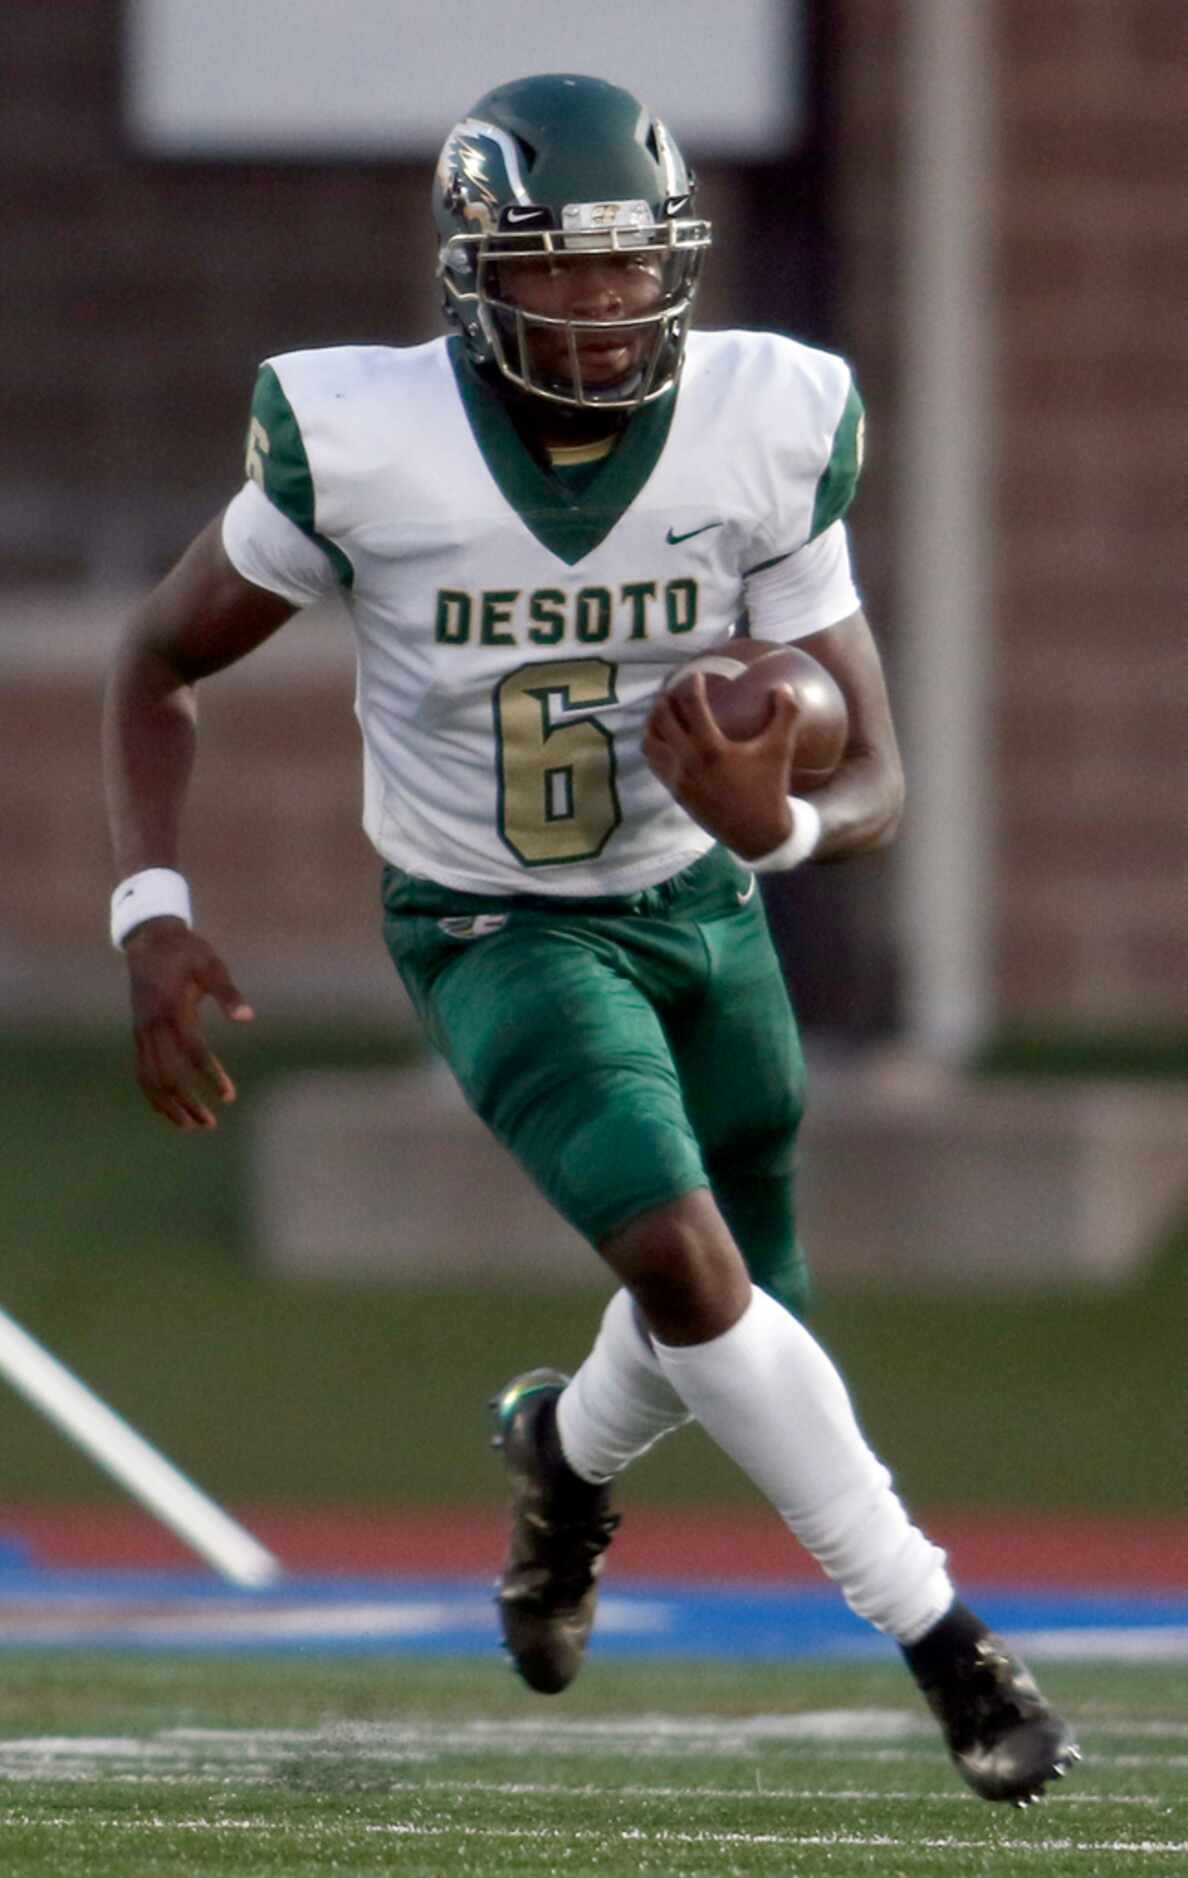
739	682
730	759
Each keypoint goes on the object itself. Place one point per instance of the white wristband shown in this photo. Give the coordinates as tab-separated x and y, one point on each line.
154	893
796	847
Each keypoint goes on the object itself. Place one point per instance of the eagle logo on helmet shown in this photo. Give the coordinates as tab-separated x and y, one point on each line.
464	179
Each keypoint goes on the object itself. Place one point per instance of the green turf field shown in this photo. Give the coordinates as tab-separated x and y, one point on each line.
126	1249
127	1767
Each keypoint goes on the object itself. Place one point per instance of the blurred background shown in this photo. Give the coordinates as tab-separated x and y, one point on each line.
983	204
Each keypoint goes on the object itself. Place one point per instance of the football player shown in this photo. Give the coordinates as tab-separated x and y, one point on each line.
533	522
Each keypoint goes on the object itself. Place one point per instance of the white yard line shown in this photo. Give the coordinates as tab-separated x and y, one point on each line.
250	1757
147	1769
120	1823
870	1734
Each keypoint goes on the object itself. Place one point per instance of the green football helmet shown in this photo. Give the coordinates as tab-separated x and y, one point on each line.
561	165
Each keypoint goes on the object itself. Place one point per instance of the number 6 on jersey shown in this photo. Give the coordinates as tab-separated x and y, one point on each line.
557	797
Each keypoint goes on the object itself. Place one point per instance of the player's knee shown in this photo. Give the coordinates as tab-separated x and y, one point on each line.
683	1269
760	1210
792	1287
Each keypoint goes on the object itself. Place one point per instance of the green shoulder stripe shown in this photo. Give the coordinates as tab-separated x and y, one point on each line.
277	460
835	491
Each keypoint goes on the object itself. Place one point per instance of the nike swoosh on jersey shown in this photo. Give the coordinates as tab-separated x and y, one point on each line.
743	894
689	533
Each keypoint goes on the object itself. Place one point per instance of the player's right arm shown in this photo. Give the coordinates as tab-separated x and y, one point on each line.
202	617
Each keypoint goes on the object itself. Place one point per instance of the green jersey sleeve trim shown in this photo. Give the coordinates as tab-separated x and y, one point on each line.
277	461
835	490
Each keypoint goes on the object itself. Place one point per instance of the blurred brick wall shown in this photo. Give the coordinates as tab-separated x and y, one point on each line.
142	295
1089	235
1092	276
139	297
284	879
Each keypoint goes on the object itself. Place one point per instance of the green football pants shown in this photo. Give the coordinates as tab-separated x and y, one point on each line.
624	1050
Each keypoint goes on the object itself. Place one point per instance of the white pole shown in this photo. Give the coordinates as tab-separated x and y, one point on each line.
64	1400
943	877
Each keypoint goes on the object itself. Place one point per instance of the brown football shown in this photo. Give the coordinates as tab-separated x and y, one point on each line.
739	679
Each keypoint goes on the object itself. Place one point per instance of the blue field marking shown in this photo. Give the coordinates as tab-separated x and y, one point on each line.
194	1611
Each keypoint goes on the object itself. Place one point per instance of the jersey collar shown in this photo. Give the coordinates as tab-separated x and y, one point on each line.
568	522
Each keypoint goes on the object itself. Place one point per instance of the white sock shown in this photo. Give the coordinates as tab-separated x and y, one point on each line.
619	1403
766	1392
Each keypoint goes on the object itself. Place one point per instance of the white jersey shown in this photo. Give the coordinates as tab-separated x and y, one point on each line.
512	628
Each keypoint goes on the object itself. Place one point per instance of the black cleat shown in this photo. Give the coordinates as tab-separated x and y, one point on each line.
1004	1738
561	1526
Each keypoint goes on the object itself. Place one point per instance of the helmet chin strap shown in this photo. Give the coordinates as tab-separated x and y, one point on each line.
609	405
548	423
593	396
569	395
